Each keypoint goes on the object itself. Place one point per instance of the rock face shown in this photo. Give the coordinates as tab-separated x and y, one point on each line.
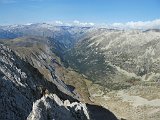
26	94
18	89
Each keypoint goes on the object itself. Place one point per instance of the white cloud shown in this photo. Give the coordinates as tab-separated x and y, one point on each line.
59	22
28	24
73	23
78	23
92	24
155	24
117	25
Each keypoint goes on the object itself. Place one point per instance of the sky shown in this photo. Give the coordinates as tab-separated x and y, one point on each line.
116	12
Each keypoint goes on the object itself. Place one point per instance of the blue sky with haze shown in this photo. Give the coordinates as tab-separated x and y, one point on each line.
97	11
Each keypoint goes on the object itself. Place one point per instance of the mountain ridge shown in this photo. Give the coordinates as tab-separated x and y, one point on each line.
22	85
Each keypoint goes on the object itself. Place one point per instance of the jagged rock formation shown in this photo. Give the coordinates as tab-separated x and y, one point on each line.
50	107
26	94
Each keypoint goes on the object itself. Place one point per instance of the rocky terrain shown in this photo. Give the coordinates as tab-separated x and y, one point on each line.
117	69
21	85
118	53
27	94
124	68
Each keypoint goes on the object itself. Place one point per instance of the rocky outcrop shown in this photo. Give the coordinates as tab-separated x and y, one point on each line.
51	107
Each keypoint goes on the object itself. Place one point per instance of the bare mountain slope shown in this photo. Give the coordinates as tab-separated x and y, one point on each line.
124	68
110	55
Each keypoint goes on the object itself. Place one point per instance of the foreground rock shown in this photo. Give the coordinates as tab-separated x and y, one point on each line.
51	107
